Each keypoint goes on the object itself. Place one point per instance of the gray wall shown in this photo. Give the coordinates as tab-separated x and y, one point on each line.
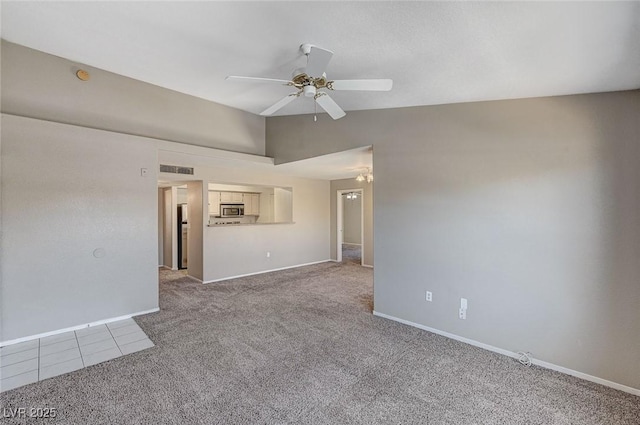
282	205
367	190
39	85
197	192
58	210
167	230
160	226
352	219
70	189
529	208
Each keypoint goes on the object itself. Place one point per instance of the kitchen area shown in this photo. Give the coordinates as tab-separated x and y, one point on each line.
242	217
223	205
230	205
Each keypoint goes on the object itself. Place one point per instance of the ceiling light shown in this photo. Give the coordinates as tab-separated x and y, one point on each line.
352	195
368	176
309	91
82	75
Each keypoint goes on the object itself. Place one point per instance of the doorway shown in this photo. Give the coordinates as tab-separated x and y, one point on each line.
350	226
173	230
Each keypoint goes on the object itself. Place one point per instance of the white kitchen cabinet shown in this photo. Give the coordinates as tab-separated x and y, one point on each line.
246	200
214	203
231	197
255	204
225	197
251	204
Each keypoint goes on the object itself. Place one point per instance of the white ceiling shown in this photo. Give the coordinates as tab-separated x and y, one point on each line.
436	52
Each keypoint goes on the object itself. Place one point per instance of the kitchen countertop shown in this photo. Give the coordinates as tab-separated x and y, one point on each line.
249	224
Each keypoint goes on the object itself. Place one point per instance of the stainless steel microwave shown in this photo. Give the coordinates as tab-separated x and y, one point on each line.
231	210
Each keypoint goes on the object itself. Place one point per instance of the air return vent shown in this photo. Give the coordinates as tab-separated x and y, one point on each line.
175	169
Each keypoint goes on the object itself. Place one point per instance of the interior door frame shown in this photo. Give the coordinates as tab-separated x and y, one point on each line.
340	223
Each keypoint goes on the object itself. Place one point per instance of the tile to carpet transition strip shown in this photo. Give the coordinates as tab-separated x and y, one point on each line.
136	346
60	368
18	380
101	356
59	357
14	348
18	357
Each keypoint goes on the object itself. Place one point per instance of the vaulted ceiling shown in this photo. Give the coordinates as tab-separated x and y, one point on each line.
436	52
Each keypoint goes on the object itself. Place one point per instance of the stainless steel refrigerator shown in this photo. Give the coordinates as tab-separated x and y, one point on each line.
183	225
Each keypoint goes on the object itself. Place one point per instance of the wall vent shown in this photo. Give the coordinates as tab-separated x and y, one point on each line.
175	169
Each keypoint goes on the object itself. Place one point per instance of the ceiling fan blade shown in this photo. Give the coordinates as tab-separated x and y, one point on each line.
330	106
366	85
236	79
317	61
280	104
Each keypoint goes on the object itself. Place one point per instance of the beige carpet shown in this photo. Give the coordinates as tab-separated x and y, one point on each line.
301	346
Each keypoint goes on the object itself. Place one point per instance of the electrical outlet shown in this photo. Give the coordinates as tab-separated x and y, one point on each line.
462	314
429	296
268	254
143	172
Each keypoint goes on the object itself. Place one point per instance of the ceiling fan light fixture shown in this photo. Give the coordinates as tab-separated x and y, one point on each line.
309	91
365	176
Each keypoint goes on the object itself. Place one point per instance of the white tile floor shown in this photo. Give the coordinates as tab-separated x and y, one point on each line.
32	361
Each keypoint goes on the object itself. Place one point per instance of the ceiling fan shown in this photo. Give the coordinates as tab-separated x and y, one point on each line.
311	79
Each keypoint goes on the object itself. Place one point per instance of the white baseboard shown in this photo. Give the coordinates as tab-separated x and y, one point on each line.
75	328
267	271
367	265
547	365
